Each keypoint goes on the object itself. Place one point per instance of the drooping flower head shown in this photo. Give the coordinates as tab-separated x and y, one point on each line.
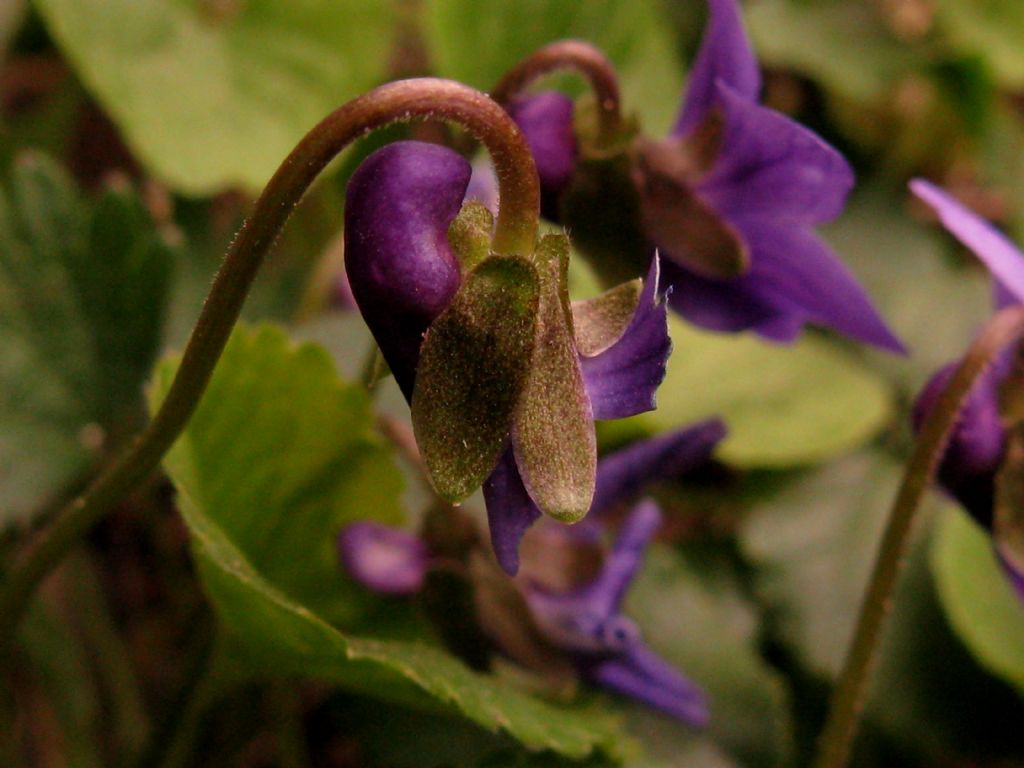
734	184
600	359
584	623
977	449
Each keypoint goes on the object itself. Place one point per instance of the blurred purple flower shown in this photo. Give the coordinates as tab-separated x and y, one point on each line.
384	559
604	644
400	202
977	446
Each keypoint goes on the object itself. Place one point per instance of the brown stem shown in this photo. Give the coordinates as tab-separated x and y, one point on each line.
848	700
575	55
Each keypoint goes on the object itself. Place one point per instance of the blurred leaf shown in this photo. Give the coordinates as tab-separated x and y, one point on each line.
214	94
977	598
82	294
841	44
476	41
934	304
813	546
991	29
693	613
784	405
278	456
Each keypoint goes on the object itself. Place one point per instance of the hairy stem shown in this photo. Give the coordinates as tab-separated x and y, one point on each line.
426	98
573	55
848	700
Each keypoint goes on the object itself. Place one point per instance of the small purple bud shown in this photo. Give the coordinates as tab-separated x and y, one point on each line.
977	445
399	205
546	119
383	559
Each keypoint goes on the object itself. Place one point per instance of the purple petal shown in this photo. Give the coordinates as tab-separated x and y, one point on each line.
623	474
546	120
621	381
384	559
1000	256
483	185
620	567
771	166
725	55
510	511
976	447
1014	572
643	675
399	205
794	278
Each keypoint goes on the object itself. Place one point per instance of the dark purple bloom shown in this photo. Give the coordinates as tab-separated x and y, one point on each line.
605	645
546	120
977	446
387	560
400	204
747	179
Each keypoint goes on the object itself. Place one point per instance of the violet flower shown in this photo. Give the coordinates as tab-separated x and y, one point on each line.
384	559
738	176
586	623
403	273
977	447
605	645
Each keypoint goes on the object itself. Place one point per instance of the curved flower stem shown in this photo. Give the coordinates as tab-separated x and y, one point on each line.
578	56
848	700
426	98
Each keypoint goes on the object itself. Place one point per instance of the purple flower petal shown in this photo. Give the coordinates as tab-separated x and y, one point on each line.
621	381
546	119
623	474
978	442
384	559
510	511
725	55
483	185
771	166
399	205
588	619
794	278
643	675
1000	256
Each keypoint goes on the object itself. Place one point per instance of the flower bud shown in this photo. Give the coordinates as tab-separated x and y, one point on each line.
399	205
384	559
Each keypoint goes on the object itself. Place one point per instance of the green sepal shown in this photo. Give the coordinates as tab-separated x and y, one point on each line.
600	322
472	369
553	431
470	234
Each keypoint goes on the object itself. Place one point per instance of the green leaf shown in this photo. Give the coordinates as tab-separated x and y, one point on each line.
813	546
784	405
692	612
473	364
992	29
82	293
280	454
978	600
212	95
934	304
633	33
843	45
553	428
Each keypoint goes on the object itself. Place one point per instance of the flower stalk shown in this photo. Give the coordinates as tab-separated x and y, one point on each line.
848	699
402	101
576	56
